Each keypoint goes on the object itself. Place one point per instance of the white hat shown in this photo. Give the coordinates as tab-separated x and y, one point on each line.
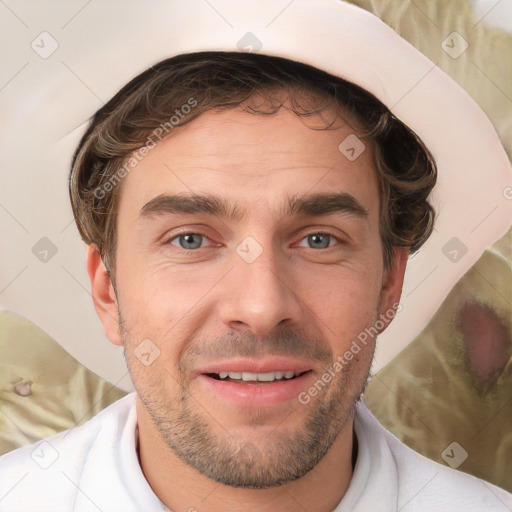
80	64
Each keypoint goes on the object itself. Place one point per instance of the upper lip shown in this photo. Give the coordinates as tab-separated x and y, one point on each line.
267	365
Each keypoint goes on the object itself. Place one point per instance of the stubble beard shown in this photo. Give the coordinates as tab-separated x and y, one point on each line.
205	443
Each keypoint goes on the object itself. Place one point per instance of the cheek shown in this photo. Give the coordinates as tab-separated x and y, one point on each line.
346	302
165	306
155	296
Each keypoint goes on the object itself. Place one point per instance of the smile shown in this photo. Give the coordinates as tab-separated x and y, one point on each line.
246	377
254	389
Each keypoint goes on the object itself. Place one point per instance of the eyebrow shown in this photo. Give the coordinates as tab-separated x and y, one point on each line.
312	205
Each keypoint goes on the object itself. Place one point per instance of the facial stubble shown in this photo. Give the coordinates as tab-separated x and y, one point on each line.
205	442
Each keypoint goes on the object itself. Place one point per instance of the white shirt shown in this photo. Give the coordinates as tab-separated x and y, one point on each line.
95	467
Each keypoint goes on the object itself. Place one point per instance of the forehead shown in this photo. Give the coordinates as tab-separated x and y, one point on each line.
253	160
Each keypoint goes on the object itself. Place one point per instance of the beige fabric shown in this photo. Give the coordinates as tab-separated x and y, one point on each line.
429	397
63	393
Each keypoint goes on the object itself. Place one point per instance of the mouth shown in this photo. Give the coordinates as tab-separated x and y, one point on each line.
249	378
250	383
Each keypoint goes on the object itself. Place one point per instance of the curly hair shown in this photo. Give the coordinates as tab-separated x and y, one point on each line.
177	90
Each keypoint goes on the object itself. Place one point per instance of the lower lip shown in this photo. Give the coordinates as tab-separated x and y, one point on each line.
257	394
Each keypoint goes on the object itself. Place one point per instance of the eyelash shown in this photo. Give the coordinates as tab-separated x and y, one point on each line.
186	251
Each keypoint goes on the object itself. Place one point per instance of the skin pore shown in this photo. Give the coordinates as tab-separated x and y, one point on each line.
312	284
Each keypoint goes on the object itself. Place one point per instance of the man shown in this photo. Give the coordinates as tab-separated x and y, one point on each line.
248	221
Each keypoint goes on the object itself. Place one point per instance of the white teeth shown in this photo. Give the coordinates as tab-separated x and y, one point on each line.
266	377
262	377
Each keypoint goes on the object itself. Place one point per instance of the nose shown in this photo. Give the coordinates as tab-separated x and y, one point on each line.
260	296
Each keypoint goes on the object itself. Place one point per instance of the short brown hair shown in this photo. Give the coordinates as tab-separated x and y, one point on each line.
405	168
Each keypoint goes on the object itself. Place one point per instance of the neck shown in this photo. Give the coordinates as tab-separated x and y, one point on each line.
182	488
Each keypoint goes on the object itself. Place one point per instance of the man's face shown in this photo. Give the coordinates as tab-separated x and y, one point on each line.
262	291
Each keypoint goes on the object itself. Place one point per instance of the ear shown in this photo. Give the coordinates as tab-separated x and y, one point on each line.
392	283
103	295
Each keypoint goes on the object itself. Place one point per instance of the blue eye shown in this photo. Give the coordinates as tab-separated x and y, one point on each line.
190	240
320	240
